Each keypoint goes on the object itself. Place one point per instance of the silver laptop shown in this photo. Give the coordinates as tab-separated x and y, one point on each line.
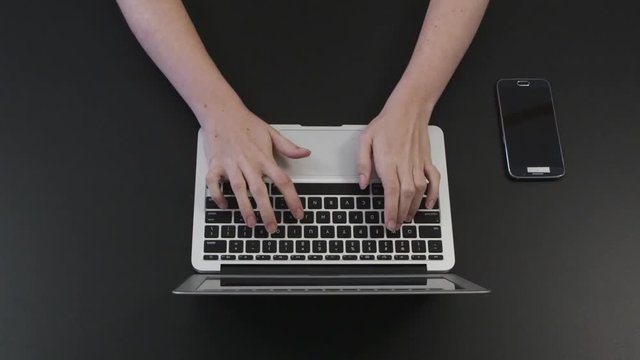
341	245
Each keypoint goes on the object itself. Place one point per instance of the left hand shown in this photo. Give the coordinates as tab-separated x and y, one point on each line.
398	140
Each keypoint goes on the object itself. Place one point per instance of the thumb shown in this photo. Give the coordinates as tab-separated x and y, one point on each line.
364	161
287	148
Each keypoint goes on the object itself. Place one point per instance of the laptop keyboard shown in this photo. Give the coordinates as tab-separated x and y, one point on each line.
341	222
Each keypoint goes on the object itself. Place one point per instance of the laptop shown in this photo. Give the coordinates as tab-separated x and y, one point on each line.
340	247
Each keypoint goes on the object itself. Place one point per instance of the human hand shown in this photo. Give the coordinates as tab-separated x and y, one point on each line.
239	147
398	140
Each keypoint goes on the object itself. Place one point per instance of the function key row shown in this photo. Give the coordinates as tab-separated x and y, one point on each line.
322	246
320	217
321	257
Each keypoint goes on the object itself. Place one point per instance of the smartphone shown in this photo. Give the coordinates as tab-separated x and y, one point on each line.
529	129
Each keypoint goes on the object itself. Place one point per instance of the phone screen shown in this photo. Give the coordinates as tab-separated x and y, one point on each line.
529	128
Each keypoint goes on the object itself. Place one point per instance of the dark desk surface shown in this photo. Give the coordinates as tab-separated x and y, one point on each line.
96	178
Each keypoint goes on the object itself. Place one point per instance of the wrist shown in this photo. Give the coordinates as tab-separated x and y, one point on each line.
217	111
413	97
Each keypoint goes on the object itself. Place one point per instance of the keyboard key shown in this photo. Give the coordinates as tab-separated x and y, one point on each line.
436	257
210	257
211	231
323	217
237	217
386	246
218	217
253	246
393	234
349	257
215	246
227	231
427	217
278	215
344	232
280	257
210	204
376	232
245	257
377	189
327	232
308	218
436	206
336	246
355	217
269	246
435	246
279	203
378	202
366	257
245	232
315	257
279	234
332	257
314	203
263	257
261	232
402	246
418	246
285	246
339	217
360	232
294	231
331	203
236	246
429	232
353	246
226	188
232	203
369	246
409	231
384	257
347	203
227	257
302	246
401	257
372	217
288	218
298	257
330	189
363	202
319	246
310	231
418	257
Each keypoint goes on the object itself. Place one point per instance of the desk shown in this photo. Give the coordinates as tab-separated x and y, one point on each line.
96	171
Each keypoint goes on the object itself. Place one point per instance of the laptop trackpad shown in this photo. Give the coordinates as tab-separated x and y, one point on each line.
334	153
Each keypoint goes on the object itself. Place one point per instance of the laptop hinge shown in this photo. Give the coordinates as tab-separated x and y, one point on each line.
322	269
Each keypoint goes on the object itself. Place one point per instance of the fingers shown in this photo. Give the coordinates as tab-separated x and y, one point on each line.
391	185
433	188
364	160
285	185
239	187
213	183
286	147
407	194
261	196
420	182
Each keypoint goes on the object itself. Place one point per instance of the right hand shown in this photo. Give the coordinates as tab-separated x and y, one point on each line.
239	148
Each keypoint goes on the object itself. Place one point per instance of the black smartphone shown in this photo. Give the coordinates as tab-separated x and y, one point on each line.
529	129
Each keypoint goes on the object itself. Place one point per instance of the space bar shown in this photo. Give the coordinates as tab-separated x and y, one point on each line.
326	189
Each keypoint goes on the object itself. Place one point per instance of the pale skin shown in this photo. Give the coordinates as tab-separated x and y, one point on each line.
240	146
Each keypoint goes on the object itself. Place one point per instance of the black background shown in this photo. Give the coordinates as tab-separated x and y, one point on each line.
97	155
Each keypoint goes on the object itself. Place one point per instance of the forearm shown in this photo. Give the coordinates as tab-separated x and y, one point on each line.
447	31
167	34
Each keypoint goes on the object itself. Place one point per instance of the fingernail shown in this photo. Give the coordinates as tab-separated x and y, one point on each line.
363	182
391	224
299	213
251	221
430	204
408	219
271	227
